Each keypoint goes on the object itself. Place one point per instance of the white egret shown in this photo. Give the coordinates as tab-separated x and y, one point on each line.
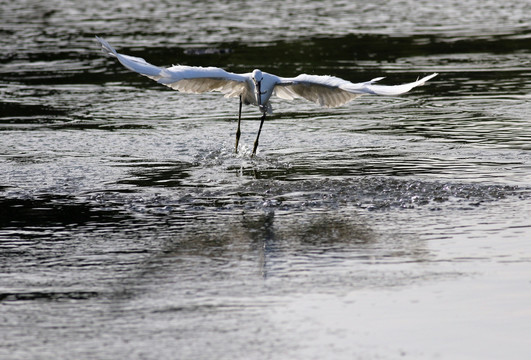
257	87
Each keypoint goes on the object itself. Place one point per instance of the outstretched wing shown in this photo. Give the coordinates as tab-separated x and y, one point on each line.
331	91
190	79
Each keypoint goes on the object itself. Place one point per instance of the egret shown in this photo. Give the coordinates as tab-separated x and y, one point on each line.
257	87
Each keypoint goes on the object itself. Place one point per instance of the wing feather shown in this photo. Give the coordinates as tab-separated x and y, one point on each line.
330	91
189	79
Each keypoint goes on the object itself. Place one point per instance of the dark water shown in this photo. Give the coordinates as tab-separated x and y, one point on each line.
387	228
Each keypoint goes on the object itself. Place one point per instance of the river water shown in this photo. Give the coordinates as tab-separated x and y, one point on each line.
391	227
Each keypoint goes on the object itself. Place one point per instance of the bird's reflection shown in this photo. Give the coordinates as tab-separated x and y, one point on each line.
276	236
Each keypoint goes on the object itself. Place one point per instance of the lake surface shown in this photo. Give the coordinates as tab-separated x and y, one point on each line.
391	227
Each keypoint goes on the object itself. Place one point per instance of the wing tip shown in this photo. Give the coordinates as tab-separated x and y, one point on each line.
106	47
376	79
426	78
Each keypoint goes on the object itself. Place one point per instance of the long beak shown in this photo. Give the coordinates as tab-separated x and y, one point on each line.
258	94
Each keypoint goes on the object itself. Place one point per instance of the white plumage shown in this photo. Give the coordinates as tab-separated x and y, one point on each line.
256	88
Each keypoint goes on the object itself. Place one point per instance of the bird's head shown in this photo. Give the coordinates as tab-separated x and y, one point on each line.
257	76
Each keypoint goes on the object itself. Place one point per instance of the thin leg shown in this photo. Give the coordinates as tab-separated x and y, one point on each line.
258	135
238	132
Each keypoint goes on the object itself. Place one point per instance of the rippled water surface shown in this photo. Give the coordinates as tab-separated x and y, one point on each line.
391	227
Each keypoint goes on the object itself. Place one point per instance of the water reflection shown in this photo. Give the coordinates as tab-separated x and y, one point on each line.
169	174
51	211
275	245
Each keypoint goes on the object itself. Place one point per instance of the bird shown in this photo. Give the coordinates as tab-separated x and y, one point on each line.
257	87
